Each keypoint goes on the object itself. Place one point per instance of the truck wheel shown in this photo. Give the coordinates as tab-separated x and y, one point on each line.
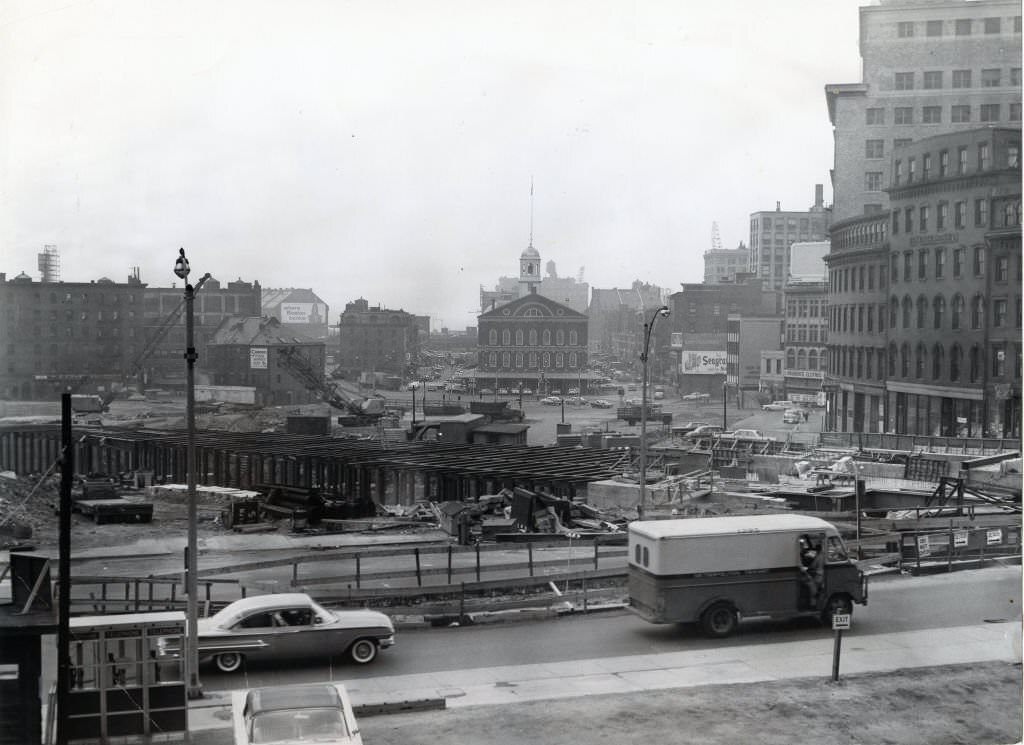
228	662
363	651
836	604
720	620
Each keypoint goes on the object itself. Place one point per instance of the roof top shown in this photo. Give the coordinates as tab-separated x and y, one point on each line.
693	526
292	697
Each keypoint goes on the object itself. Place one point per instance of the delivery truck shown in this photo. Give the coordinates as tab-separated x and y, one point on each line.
716	571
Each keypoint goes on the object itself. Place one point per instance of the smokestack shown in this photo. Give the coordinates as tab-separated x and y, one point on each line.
778	206
819	197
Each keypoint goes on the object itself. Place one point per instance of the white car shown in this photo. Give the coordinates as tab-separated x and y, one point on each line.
695	396
745	434
551	400
282	715
778	406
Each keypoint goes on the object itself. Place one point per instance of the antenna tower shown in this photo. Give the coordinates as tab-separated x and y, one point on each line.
49	264
716	238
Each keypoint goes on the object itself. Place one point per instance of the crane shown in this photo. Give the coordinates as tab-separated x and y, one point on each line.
360	411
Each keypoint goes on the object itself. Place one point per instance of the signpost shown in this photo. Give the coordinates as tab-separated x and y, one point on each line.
840	622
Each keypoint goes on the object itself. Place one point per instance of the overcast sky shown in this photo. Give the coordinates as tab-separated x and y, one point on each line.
385	149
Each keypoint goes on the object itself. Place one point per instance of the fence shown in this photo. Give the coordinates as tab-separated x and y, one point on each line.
958	547
912	443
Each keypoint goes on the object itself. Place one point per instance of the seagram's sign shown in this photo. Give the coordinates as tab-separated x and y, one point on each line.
702	363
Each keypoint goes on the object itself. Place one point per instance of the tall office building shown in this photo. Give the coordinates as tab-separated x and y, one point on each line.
773	232
929	69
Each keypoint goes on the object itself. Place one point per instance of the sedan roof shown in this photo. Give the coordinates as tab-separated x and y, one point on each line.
292	697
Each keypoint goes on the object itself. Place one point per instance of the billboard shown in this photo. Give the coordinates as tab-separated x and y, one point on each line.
702	363
303	312
257	358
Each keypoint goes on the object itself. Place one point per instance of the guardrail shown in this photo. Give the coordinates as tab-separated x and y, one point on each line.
911	443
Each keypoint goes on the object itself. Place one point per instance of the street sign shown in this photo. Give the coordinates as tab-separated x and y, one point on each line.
840	621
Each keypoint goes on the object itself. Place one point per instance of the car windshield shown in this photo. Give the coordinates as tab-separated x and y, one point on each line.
286	725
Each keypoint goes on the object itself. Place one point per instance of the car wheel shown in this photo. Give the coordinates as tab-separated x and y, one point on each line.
228	662
363	651
840	604
720	620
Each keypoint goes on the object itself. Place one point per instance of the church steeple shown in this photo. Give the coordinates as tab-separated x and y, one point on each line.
529	260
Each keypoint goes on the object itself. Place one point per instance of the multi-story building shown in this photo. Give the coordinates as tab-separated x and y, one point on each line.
747	339
164	325
806	336
298	309
928	68
254	352
60	336
376	341
532	343
722	264
615	317
699	324
954	309
772	233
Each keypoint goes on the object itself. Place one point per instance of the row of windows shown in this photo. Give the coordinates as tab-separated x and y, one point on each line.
782	223
802	332
806	359
958	114
942	167
82	315
805	308
856	318
848	279
922	363
545	336
866	234
920	218
532	359
956	27
991	77
935	260
98	298
905	312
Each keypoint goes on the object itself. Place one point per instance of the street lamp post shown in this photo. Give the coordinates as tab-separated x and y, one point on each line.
412	387
194	689
663	312
725	401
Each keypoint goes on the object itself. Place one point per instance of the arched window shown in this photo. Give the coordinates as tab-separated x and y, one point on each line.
938	311
547	337
922	311
547	360
506	360
975	363
956	357
574	338
908	311
823	361
791	359
812	359
492	337
533	337
560	338
957	311
559	360
977	312
937	361
519	359
881	364
572	358
894	311
519	340
920	360
506	337
492	359
801	359
531	359
905	360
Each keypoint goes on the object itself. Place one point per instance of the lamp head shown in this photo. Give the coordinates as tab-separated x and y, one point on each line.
181	267
664	312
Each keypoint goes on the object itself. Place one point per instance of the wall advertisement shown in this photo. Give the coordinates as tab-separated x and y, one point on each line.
303	312
702	363
257	358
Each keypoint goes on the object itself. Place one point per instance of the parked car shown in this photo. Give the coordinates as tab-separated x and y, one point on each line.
527	391
745	434
555	392
486	392
697	396
658	395
281	715
575	401
685	429
573	391
794	416
287	626
600	403
777	406
503	391
705	430
551	400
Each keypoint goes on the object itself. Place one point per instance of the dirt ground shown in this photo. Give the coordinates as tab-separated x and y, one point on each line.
962	705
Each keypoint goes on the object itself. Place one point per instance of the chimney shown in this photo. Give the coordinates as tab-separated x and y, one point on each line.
818	195
778	206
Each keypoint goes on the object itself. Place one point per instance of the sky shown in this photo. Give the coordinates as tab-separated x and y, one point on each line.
385	149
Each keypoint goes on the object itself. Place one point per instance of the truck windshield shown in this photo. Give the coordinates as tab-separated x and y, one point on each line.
835	550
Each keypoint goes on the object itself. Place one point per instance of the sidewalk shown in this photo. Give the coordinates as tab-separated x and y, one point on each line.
991	642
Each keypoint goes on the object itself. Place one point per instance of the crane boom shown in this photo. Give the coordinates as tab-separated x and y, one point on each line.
360	411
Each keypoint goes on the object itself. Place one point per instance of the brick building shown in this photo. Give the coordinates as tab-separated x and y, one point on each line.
376	342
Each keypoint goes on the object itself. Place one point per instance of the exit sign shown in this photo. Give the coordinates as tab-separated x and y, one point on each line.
840	621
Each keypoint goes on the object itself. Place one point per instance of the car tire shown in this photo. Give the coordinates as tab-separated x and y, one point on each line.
363	651
229	662
720	620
